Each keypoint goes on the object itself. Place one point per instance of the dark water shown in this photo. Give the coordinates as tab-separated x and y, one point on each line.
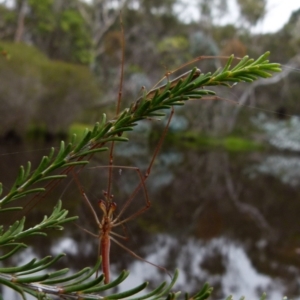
229	219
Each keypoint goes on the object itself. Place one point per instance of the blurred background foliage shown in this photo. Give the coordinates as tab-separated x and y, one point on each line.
69	53
60	68
32	87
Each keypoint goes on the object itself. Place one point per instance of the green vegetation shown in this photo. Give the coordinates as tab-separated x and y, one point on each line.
230	143
60	67
89	34
77	154
33	87
78	129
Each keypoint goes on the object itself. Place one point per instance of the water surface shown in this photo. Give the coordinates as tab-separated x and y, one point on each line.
230	219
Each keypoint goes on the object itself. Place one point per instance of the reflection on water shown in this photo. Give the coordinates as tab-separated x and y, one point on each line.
283	167
210	217
284	134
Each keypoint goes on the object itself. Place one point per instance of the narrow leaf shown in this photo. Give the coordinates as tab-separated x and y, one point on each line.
31	278
81	154
128	293
13	286
18	269
16	249
84	141
32	191
53	177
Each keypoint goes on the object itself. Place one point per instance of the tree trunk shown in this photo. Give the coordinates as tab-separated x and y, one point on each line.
21	22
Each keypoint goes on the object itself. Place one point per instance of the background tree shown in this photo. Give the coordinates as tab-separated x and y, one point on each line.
21	11
252	11
89	33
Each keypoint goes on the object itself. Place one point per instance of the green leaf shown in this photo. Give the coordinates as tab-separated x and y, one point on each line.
16	208
103	131
204	293
261	59
82	287
52	177
28	168
63	279
18	269
114	139
168	288
88	152
76	163
30	279
120	130
12	231
43	164
13	286
124	274
228	63
13	251
89	272
128	293
41	265
153	293
32	191
243	62
84	141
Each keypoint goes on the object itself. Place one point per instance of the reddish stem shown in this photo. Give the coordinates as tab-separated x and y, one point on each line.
105	250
